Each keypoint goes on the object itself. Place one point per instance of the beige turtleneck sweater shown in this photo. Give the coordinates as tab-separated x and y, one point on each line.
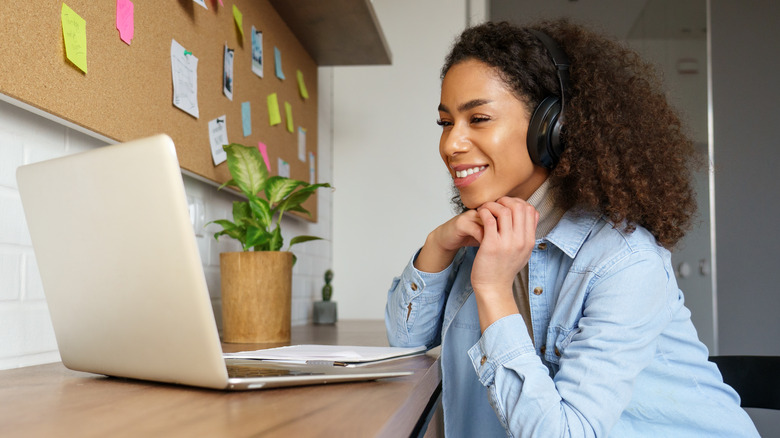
549	215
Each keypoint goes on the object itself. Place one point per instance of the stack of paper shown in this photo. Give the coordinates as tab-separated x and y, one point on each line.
343	355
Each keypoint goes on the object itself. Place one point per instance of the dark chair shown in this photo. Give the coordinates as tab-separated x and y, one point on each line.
755	378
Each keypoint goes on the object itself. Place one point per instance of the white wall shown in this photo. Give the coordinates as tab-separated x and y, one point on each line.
391	186
26	336
746	105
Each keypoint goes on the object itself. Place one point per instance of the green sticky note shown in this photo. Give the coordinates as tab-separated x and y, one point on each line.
274	117
302	85
239	20
288	113
74	31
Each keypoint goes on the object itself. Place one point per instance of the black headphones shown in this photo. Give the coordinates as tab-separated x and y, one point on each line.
545	144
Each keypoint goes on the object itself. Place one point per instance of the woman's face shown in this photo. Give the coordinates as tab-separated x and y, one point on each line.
483	136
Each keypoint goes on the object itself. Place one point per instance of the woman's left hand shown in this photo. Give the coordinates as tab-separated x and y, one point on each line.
509	236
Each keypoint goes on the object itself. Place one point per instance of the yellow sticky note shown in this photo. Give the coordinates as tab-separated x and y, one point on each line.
274	117
302	85
288	113
74	31
239	20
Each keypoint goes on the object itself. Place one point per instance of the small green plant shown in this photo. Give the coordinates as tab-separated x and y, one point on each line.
327	290
257	221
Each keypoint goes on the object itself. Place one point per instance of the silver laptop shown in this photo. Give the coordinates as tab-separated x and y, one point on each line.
123	277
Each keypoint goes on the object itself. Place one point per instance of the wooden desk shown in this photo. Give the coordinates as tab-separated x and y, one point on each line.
50	400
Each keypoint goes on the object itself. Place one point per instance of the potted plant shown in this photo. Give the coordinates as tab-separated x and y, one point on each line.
325	310
257	282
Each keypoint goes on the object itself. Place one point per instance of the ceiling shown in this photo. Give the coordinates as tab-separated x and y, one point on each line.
622	19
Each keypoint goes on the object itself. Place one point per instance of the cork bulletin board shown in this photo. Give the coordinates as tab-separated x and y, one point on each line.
127	91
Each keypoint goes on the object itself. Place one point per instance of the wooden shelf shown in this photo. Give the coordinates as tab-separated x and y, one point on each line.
336	32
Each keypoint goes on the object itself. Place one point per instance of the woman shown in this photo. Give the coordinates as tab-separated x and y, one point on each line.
552	292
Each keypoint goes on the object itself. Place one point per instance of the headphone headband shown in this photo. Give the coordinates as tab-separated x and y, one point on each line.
558	56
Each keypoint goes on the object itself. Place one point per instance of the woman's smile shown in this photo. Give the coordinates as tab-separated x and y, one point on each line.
465	175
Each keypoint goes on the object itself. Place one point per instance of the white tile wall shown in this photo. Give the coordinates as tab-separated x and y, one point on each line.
26	335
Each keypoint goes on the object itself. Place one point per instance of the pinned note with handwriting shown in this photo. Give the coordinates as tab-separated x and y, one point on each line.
284	168
218	138
74	31
184	69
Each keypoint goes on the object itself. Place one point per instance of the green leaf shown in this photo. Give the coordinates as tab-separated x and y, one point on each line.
247	168
229	182
278	187
295	199
262	211
224	223
276	242
230	229
300	209
256	237
301	239
241	211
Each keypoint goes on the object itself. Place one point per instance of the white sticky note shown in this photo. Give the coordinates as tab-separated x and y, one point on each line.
301	144
284	168
312	168
184	69
217	138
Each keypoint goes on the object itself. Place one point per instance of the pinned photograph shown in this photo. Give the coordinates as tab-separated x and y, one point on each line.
257	52
227	75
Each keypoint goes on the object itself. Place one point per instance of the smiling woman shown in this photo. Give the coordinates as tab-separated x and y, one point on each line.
485	117
552	292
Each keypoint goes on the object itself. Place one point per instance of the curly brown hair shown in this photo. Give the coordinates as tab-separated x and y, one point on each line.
627	155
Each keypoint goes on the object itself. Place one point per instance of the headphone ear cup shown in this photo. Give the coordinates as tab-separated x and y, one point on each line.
544	147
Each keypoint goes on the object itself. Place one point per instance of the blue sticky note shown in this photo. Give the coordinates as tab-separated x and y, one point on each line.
278	62
246	118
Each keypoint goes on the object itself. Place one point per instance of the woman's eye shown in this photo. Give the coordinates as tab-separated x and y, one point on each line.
479	119
443	123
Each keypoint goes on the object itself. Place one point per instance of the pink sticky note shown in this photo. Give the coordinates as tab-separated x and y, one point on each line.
264	151
125	20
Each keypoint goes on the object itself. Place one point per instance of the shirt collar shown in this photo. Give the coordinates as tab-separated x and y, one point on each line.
572	231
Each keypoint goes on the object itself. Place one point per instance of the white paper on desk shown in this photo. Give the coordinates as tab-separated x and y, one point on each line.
343	354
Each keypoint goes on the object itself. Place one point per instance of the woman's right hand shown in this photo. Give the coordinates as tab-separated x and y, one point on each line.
444	242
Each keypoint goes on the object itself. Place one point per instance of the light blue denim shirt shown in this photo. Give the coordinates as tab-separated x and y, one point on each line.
614	350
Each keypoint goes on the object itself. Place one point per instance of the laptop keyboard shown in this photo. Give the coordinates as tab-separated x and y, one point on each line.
258	371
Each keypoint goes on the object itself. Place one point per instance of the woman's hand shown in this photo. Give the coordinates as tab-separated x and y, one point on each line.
508	237
444	242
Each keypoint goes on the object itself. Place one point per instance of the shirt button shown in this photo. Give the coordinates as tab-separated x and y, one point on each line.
542	246
557	353
537	291
483	360
543	349
414	286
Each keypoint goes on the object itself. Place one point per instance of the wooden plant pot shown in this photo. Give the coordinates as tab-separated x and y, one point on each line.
256	296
